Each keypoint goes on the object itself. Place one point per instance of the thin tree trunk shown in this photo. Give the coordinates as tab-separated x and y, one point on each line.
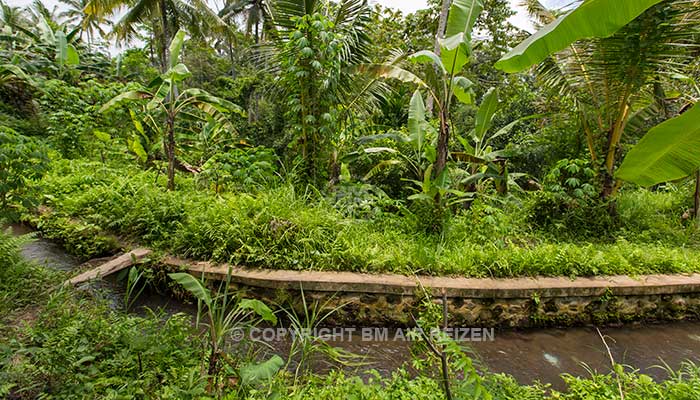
150	48
442	24
257	32
443	141
170	152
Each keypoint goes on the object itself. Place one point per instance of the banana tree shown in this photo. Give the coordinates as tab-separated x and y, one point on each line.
416	150
419	158
440	79
48	49
608	57
165	99
482	159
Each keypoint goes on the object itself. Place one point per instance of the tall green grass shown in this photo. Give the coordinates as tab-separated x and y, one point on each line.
285	228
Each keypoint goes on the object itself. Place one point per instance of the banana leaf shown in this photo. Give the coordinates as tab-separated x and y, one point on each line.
592	19
668	152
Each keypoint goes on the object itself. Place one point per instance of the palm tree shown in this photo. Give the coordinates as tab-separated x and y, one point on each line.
253	11
616	82
11	16
163	16
38	11
75	15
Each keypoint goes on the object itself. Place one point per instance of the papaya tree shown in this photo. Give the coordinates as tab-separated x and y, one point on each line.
167	101
609	58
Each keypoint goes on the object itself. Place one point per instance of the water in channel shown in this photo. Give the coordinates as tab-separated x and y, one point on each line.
529	356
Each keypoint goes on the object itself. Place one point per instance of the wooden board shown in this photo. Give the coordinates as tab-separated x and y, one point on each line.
110	267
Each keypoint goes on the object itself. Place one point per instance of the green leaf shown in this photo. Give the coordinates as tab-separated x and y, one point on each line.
128	96
259	308
454	52
462	17
137	123
176	47
374	150
10	69
486	112
388	71
177	73
456	46
416	118
72	57
427	57
61	48
379	167
193	285
221	105
427	179
506	129
136	146
592	19
254	373
102	136
461	87
669	151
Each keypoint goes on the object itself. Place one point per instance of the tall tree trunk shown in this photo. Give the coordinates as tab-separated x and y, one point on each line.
442	24
257	31
164	56
230	55
150	48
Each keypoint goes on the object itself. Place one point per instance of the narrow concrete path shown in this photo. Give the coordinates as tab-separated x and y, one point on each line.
512	288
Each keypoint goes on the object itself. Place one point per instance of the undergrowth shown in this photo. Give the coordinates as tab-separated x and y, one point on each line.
284	227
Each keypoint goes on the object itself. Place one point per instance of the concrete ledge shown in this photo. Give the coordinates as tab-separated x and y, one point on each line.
514	288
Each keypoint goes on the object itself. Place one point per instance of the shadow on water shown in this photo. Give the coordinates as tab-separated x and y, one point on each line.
529	356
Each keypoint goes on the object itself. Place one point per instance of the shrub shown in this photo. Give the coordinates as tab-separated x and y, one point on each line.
21	283
569	206
657	216
84	240
240	169
284	229
82	350
361	200
22	161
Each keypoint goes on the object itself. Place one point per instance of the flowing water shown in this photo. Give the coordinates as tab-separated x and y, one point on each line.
529	356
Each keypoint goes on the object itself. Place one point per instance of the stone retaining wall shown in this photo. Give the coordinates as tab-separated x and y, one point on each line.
379	300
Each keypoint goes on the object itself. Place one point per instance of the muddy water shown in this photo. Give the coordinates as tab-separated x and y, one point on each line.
543	355
529	356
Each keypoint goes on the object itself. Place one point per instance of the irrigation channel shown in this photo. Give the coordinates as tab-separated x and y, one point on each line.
531	355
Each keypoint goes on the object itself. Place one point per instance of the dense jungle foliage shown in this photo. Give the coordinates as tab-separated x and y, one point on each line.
342	136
